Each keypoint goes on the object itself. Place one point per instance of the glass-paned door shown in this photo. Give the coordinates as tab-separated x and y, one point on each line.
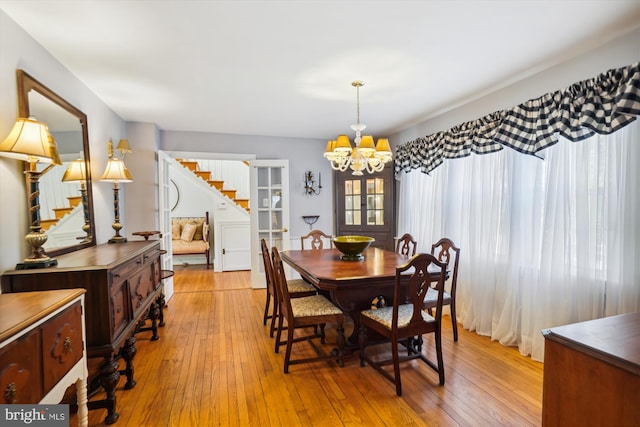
269	205
164	198
365	206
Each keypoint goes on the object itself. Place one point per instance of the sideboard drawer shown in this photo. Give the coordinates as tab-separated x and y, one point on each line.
151	255
61	344
124	270
20	380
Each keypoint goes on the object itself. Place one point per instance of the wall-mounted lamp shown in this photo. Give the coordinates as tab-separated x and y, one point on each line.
30	141
116	172
123	148
310	186
77	173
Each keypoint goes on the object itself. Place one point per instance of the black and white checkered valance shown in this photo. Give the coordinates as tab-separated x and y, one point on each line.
601	105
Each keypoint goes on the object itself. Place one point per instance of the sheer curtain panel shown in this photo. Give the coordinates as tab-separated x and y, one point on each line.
544	242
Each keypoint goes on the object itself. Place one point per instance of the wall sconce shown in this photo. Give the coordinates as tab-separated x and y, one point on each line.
310	185
30	141
77	173
116	172
123	148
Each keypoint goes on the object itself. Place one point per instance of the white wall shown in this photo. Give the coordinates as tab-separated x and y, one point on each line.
19	50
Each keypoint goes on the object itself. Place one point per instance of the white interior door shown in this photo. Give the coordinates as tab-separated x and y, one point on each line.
269	203
236	247
164	199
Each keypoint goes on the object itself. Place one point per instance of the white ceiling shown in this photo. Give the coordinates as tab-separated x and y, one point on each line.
284	68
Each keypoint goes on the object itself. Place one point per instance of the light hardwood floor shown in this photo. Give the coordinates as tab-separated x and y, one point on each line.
214	365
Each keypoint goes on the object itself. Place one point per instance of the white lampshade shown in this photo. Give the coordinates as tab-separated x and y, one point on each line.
30	140
76	172
116	171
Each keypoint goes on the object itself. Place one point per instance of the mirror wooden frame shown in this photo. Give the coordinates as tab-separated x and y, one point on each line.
26	83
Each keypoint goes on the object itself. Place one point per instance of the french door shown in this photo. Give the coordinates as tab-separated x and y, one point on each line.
269	206
164	198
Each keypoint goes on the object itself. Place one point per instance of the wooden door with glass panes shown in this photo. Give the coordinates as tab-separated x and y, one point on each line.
365	206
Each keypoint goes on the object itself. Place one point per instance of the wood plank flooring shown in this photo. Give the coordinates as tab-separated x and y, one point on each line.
215	365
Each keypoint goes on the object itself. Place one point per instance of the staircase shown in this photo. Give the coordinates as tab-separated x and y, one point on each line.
219	185
59	213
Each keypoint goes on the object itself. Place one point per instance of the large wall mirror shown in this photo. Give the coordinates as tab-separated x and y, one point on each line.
66	201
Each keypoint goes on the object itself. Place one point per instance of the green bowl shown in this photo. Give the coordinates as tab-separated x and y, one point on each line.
352	246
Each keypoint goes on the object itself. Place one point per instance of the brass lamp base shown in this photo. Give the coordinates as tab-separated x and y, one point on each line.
37	263
38	257
117	239
117	226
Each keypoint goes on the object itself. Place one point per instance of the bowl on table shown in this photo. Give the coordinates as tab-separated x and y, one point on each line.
352	246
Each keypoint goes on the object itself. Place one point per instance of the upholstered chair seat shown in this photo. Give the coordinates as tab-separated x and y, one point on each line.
299	286
315	305
432	297
384	315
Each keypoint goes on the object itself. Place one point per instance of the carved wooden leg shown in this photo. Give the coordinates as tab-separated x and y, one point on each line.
153	316
109	377
128	352
161	303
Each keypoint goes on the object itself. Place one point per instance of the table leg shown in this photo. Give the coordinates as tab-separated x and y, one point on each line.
109	377
81	400
128	352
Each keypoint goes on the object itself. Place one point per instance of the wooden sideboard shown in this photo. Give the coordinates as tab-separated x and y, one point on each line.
42	348
122	282
592	373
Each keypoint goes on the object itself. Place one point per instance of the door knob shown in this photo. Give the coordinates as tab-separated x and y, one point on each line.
284	230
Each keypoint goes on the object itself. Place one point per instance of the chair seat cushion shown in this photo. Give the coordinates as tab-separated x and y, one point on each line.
314	305
405	311
431	298
299	285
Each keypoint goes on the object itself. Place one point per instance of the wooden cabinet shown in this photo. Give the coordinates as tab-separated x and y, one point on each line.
365	206
592	373
122	282
42	348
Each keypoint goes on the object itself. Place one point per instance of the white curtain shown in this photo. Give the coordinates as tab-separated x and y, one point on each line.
543	242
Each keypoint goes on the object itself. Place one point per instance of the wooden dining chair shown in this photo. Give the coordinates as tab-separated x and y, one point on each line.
296	288
444	249
406	245
305	312
405	319
315	238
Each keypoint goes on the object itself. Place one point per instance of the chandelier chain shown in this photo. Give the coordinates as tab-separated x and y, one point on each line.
357	85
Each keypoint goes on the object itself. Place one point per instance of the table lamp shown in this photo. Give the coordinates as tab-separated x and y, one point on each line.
116	172
30	141
77	173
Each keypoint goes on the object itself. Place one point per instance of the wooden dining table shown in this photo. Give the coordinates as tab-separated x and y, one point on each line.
351	285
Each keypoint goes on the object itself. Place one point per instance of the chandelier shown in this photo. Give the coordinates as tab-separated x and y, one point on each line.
366	155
